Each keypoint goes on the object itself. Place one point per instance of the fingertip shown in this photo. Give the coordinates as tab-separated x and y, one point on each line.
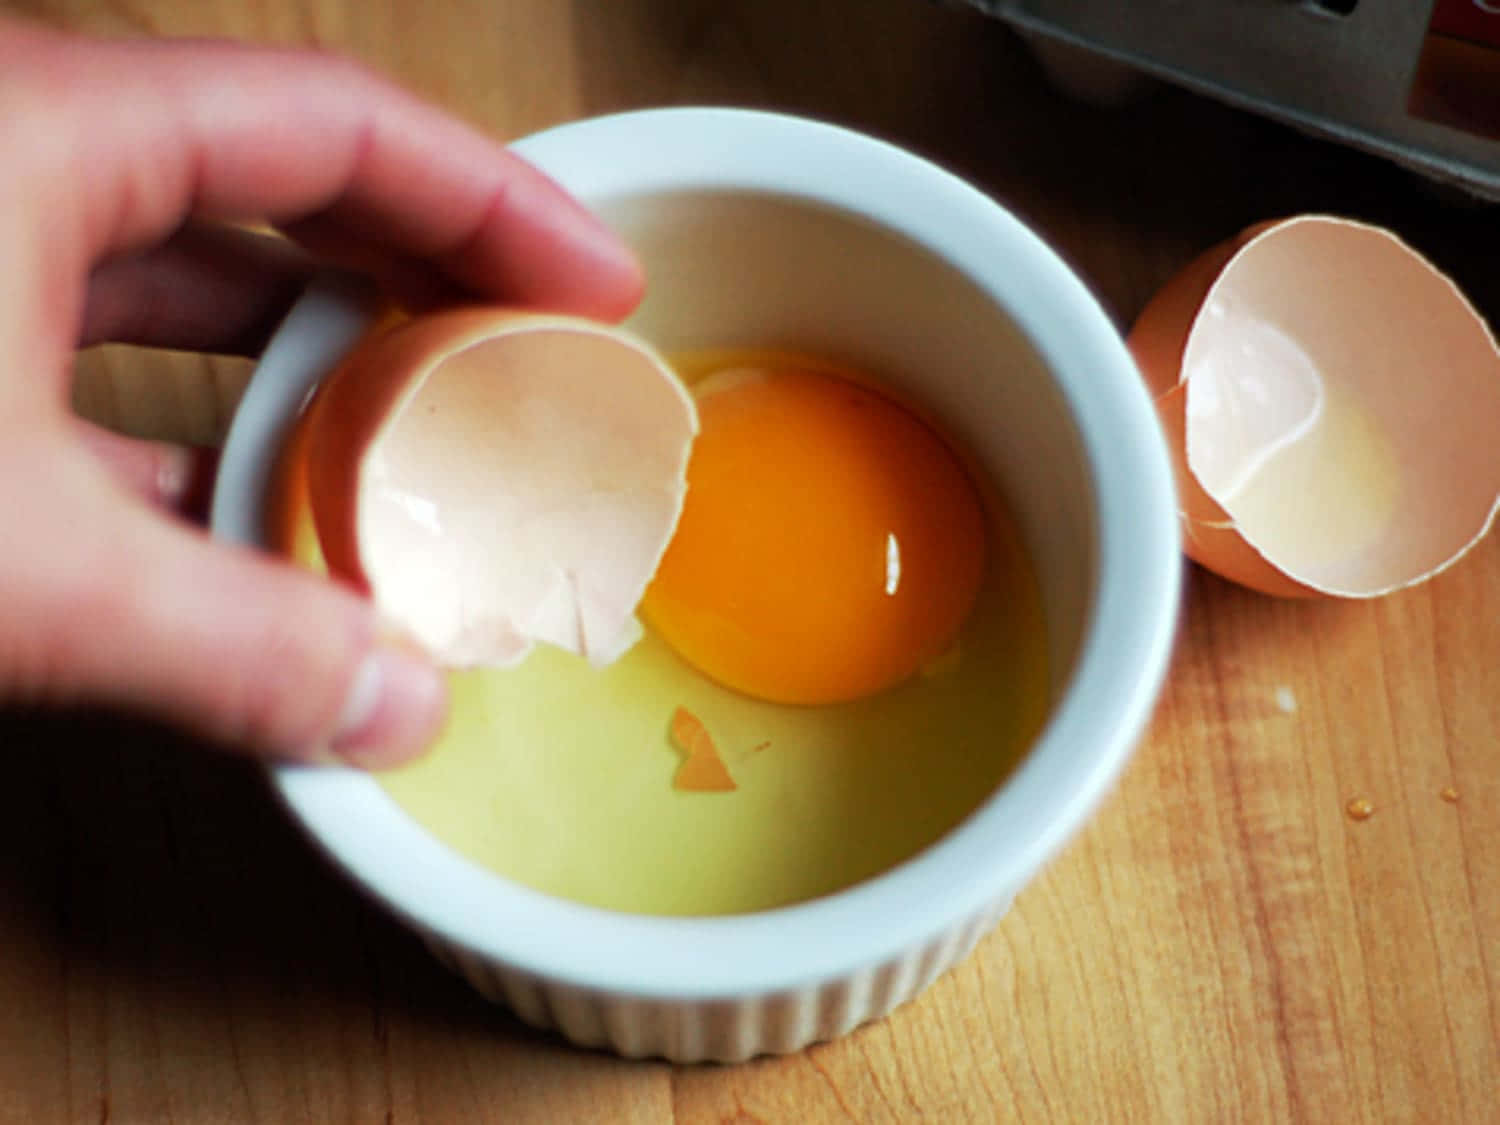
241	648
628	290
539	244
396	704
607	280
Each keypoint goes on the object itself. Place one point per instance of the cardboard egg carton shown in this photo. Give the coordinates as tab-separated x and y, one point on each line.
1418	83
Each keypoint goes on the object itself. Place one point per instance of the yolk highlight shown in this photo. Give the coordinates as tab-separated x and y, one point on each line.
830	546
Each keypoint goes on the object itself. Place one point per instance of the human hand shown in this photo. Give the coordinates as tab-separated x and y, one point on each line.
119	158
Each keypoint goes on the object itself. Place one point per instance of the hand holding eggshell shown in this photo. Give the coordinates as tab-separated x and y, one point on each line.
115	156
1332	403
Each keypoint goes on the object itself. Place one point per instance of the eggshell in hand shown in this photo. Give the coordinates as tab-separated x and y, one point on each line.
1332	403
495	478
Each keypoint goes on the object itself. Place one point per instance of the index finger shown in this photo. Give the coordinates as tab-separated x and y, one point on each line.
121	142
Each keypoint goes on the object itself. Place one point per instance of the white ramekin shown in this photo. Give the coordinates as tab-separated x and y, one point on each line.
759	229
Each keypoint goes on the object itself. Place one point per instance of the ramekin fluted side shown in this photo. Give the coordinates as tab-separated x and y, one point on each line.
719	1029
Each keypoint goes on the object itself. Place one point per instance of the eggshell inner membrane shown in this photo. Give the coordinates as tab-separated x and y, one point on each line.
1343	407
524	489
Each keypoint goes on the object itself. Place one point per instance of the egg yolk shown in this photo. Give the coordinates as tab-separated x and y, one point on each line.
830	546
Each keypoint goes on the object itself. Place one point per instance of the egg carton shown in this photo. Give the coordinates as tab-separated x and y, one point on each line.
1417	83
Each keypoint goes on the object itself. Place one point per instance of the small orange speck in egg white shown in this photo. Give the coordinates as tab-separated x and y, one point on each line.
831	543
703	770
1331	402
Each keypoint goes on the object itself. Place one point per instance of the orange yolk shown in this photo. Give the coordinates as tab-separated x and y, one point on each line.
830	546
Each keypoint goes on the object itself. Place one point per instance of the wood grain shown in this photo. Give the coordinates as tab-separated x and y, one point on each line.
1223	944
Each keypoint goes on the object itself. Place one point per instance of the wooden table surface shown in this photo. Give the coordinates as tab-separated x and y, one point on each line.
1224	943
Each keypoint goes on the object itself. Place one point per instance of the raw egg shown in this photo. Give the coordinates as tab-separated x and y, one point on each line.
831	543
1332	402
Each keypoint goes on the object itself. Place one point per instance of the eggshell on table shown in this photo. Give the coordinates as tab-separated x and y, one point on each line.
495	478
1332	404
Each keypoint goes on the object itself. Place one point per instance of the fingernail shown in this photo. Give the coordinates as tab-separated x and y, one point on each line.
174	473
185	480
395	708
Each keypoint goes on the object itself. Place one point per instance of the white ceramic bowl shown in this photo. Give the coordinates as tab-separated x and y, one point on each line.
764	230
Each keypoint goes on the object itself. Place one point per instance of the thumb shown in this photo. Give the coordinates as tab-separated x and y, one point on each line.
234	646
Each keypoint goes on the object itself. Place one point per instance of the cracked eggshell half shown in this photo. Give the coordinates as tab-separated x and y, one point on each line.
494	478
1332	403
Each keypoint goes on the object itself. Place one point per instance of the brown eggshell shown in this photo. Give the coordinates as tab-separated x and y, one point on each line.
1157	342
494	478
1331	403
